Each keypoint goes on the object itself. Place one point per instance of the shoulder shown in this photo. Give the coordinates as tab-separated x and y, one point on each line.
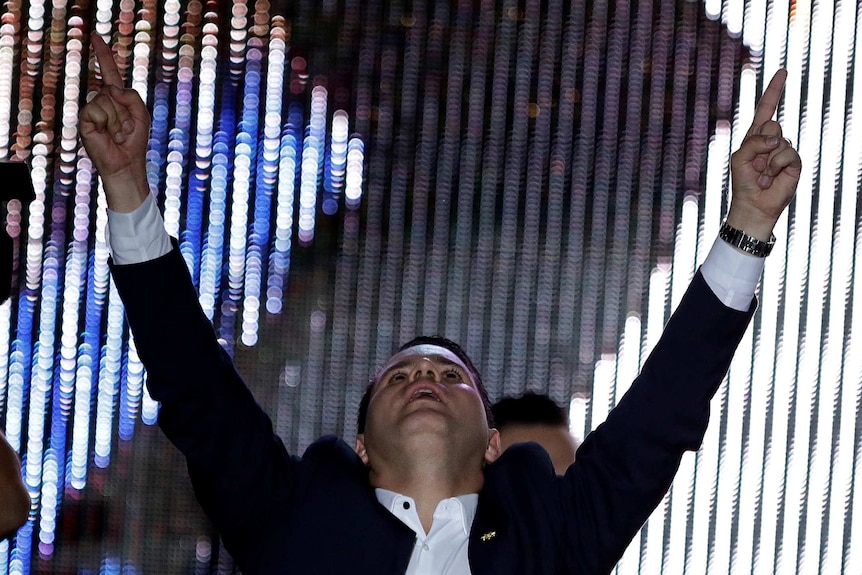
331	451
522	462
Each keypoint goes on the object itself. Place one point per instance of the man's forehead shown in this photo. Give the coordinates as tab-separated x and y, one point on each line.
431	351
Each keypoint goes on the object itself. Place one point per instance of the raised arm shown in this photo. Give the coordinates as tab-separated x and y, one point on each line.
14	500
239	468
625	467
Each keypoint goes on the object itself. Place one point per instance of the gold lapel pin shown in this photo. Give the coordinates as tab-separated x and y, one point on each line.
488	536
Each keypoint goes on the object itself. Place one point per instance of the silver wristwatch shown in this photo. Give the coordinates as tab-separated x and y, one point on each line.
748	244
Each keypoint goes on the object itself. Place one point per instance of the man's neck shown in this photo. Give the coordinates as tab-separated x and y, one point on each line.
428	482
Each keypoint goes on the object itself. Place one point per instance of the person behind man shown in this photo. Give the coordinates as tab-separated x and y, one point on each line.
536	417
14	499
426	489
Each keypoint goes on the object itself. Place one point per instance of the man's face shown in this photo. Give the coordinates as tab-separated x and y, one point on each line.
425	393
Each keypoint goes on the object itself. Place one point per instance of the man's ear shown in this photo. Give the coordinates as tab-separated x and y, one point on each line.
495	446
360	448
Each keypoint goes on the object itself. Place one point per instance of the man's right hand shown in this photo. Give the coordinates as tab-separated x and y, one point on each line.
114	129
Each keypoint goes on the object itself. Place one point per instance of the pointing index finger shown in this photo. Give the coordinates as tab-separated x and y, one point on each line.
110	72
769	100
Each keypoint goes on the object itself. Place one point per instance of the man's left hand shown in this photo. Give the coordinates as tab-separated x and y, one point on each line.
765	169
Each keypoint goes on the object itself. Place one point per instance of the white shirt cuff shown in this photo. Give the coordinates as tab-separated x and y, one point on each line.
731	275
138	236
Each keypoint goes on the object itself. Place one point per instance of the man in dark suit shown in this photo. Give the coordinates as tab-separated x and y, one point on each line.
425	489
536	417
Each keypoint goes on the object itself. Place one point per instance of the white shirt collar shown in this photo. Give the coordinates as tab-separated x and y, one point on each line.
394	503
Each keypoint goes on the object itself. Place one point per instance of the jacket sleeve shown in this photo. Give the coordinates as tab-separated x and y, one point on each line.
238	466
624	468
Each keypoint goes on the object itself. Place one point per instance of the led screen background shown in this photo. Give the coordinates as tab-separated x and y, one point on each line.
537	180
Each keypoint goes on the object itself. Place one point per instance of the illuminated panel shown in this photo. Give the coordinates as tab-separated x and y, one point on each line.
178	142
353	179
312	164
732	14
80	354
20	356
166	73
770	342
793	359
76	374
729	411
706	471
683	486
265	180
754	24
42	466
5	324
245	65
399	277
535	185
447	273
492	164
369	256
288	166
839	397
101	296
142	49
131	391
178	137
210	179
200	173
436	165
333	398
848	502
336	162
149	408
10	25
310	399
712	9
393	272
470	160
245	153
814	389
513	171
600	401
607	28
420	304
656	280
109	379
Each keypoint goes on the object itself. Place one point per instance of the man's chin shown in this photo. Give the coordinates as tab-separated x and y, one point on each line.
425	420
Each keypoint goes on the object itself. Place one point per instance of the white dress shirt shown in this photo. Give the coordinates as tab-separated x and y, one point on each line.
443	550
140	236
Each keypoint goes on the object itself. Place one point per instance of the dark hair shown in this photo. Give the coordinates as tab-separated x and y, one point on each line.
445	343
530	408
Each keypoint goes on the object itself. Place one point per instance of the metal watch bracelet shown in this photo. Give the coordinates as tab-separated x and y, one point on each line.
748	244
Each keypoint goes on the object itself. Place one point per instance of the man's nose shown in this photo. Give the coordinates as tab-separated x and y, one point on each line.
425	368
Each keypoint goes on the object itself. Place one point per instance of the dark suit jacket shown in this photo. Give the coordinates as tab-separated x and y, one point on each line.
317	514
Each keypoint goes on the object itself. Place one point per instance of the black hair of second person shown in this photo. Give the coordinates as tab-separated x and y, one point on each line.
445	343
530	408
